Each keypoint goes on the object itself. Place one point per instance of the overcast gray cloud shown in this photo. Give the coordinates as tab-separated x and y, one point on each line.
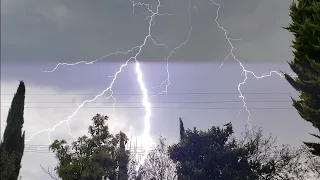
73	30
35	34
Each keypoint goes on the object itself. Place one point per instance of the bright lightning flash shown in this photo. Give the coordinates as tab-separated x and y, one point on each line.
146	138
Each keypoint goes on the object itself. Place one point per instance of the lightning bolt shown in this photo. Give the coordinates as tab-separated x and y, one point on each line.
167	73
147	140
244	70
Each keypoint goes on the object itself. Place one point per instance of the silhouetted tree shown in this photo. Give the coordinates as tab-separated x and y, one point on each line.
7	166
96	157
216	155
277	162
13	138
182	131
210	155
123	158
305	27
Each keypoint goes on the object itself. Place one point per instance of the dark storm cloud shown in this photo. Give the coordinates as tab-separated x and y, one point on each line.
73	30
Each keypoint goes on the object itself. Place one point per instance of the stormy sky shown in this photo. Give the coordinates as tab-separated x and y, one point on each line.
73	30
38	34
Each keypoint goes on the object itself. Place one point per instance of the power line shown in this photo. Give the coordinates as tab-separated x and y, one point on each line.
165	94
165	102
137	151
196	108
35	149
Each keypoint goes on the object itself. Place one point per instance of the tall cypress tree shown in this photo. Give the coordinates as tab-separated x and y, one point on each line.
13	138
123	158
305	27
182	131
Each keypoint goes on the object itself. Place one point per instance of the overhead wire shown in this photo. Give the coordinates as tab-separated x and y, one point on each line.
139	94
31	148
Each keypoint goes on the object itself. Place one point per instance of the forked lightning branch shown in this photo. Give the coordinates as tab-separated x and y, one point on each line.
145	136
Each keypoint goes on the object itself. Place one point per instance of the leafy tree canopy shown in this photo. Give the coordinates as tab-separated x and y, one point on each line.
216	154
305	27
98	156
211	155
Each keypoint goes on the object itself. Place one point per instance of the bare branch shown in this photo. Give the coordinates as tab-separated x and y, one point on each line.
49	172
